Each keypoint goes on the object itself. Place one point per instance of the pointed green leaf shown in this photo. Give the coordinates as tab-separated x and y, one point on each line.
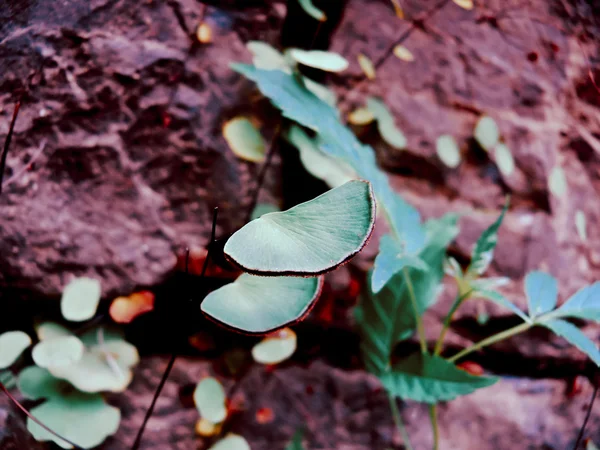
386	125
244	139
500	300
336	140
308	239
484	248
12	344
332	171
80	299
275	348
504	159
431	379
84	419
390	260
231	442
448	151
487	133
58	351
267	57
319	59
209	397
542	293
258	305
584	304
312	10
575	336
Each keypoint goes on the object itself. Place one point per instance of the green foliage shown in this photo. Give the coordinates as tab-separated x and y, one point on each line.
209	397
258	305
262	209
483	253
275	348
296	443
386	124
57	351
310	238
318	59
12	344
244	139
584	304
231	442
486	133
574	335
83	418
80	299
542	293
312	10
448	151
431	379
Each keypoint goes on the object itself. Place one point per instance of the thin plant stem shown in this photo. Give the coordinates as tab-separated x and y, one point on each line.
434	426
492	340
171	363
418	320
7	141
448	320
398	422
587	417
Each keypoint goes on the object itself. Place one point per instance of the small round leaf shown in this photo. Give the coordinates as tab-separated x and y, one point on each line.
275	348
36	383
448	151
244	139
487	133
231	442
209	397
80	299
50	330
310	238
267	57
58	352
504	159
328	61
258	305
12	344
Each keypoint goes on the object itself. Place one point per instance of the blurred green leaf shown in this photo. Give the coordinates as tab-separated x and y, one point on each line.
12	344
296	442
267	57
258	305
504	159
49	330
386	125
500	300
584	304
209	398
311	238
580	224
431	379
319	59
484	247
367	66
263	208
244	140
321	91
361	116
231	442
275	348
312	10
542	293
557	182
57	351
448	151
574	336
487	133
80	299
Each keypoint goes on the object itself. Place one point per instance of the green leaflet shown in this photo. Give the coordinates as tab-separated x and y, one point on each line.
484	248
80	299
210	400
584	304
575	336
296	443
309	239
385	318
499	299
542	293
312	10
431	379
12	344
300	105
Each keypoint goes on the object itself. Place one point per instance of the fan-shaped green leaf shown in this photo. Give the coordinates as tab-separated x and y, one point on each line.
104	366
80	299
557	182
504	159
584	304
36	383
337	141
386	124
487	133
448	151
50	330
329	61
312	10
244	139
331	171
210	398
57	352
391	260
275	348
431	379
12	344
580	224
575	336
262	209
258	305
310	238
484	247
542	293
231	442
84	419
267	57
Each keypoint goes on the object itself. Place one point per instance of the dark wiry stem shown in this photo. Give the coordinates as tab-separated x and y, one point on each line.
587	417
11	129
28	414
167	371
